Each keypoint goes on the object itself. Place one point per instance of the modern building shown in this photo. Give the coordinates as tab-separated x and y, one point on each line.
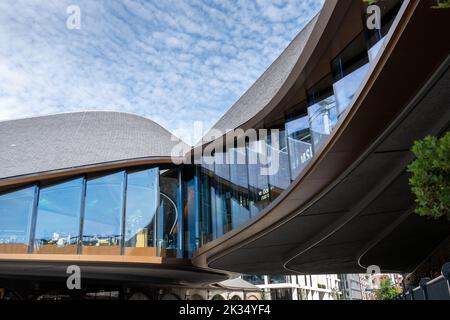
352	287
298	287
107	193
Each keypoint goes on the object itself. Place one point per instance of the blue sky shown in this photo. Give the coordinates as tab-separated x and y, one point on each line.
173	61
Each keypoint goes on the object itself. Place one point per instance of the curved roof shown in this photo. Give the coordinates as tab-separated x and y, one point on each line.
71	140
261	93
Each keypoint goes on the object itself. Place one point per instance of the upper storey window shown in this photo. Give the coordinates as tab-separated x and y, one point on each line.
16	211
102	228
322	111
58	218
323	117
277	150
141	208
389	10
258	183
299	141
239	181
349	69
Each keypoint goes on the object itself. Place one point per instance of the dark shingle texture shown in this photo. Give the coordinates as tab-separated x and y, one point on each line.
65	141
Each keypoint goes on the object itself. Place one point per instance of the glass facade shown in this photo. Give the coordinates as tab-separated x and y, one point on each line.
136	212
58	218
171	211
141	216
169	229
299	142
258	183
102	225
240	212
323	117
278	150
16	212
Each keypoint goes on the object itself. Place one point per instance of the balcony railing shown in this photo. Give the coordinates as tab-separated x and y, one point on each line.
435	289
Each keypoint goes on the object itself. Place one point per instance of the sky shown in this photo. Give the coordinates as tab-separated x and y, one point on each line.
172	61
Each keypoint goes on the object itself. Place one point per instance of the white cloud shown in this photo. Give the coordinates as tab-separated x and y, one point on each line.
174	61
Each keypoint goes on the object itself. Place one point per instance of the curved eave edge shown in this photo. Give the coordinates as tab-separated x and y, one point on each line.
90	168
313	32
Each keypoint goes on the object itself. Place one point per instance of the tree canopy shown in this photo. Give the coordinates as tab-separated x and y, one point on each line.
387	290
430	181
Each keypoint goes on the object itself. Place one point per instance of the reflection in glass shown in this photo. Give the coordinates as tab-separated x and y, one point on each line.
256	280
239	182
58	218
169	233
281	179
16	210
205	205
375	49
278	279
141	206
221	207
300	149
103	215
258	183
222	168
222	193
190	212
346	88
323	117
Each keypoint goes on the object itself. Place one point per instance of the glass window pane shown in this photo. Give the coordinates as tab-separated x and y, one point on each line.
141	206
221	207
191	213
222	168
16	210
169	228
300	148
258	183
278	151
346	88
375	49
103	215
323	118
239	184
58	218
205	204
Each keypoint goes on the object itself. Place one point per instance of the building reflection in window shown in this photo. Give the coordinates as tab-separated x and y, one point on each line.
299	140
278	151
222	193
346	88
58	218
206	176
239	181
16	210
258	183
169	225
142	201
102	228
323	117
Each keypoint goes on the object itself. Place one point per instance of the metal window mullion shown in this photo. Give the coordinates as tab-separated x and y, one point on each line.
180	202
32	231
124	204
82	214
197	219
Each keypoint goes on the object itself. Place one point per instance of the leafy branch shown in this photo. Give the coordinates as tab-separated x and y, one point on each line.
430	181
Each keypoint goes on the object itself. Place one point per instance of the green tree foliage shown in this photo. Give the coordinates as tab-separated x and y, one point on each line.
387	290
430	181
370	2
443	4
